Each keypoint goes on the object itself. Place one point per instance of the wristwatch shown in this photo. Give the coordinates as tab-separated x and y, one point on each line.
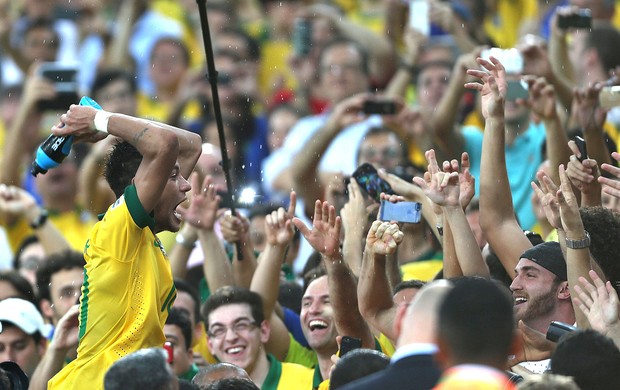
39	220
579	244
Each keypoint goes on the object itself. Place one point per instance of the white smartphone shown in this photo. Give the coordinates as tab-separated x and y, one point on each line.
418	16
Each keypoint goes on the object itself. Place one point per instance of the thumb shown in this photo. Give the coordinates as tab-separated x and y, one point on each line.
299	224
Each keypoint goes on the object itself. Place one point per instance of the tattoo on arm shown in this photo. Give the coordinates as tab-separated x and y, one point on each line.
138	136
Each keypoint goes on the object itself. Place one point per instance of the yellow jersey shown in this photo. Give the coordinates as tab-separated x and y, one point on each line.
287	376
126	295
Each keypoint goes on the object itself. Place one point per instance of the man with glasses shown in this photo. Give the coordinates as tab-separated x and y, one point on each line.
238	332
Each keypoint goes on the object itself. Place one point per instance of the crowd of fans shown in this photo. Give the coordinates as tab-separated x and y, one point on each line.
124	268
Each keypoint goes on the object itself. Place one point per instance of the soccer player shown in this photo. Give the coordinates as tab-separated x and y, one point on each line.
128	287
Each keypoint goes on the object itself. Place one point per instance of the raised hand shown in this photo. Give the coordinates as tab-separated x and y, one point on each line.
589	113
583	174
440	187
235	227
279	230
611	186
569	207
16	203
324	236
541	97
66	331
354	214
383	238
535	345
204	204
492	86
599	302
546	191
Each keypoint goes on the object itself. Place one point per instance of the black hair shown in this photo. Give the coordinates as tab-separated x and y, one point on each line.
251	43
121	166
26	242
603	225
590	358
143	369
184	384
107	76
65	260
229	295
405	284
36	336
175	42
290	295
605	40
19	283
43	23
315	272
214	372
184	286
232	384
180	319
476	321
342	41
381	130
357	364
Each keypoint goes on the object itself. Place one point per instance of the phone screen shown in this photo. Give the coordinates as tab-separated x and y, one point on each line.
367	177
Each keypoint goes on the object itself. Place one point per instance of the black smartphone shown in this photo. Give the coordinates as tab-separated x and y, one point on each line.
558	329
367	177
581	145
381	107
65	82
348	344
302	37
581	19
407	212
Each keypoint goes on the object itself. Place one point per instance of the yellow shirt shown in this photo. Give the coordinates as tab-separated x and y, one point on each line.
127	293
503	27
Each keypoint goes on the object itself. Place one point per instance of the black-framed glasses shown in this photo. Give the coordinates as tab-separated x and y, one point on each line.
238	327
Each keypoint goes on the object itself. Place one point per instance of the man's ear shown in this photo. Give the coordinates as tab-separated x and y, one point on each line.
442	356
46	308
563	291
265	331
398	319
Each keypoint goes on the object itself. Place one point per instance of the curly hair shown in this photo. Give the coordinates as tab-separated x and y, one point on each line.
604	227
121	166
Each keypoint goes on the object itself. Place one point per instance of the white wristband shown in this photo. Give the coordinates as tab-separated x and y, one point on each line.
101	120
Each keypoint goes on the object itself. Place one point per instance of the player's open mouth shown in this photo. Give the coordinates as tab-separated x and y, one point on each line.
317	324
234	350
520	300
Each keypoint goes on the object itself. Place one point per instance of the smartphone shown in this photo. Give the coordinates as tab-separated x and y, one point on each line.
558	329
64	78
302	37
169	351
407	212
581	145
418	16
517	89
510	58
367	177
609	97
348	344
581	19
381	107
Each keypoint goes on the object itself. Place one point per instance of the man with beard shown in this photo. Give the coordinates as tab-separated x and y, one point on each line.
540	291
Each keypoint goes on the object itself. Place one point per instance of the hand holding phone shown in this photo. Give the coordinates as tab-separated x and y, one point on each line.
348	344
407	212
581	145
367	177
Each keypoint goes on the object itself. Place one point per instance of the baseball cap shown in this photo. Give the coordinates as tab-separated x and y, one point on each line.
549	256
22	314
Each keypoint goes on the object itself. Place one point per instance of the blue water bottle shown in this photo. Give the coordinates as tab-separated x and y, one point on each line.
54	149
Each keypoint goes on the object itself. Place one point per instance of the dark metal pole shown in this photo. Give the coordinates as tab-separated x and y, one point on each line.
212	77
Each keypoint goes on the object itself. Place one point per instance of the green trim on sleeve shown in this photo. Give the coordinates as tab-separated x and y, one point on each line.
140	216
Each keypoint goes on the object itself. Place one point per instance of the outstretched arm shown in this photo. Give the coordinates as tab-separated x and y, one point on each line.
497	217
324	237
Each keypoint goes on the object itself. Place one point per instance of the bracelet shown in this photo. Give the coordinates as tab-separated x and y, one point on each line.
101	120
180	239
39	220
